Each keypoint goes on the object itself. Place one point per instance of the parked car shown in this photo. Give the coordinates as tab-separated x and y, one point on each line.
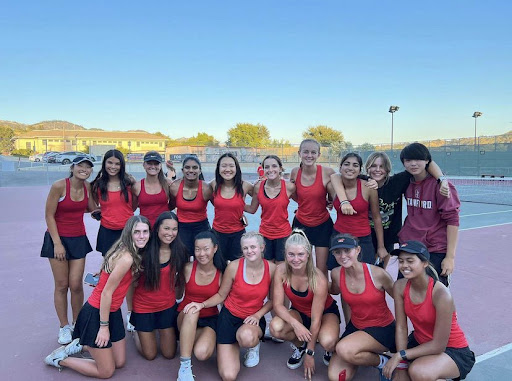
47	154
50	158
36	158
68	157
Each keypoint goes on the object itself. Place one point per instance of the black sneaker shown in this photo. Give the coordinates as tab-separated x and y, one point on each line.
327	358
297	358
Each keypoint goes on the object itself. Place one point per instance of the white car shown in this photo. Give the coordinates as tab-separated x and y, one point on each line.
36	158
68	157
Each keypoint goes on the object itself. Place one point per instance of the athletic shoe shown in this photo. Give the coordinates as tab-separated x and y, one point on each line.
327	358
65	335
185	373
382	377
297	358
252	356
268	336
56	356
276	340
129	326
74	347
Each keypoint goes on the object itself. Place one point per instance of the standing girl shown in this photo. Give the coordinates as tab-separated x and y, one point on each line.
245	286
229	191
154	299
203	277
191	195
312	216
99	328
111	189
65	243
437	348
314	313
152	192
362	199
371	329
273	194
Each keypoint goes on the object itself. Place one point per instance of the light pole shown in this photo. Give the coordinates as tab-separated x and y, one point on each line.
392	110
476	114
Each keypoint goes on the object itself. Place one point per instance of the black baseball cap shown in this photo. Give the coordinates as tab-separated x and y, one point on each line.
341	242
413	247
80	159
153	156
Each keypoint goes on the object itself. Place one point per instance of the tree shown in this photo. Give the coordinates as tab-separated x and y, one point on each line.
6	139
337	149
280	143
123	150
202	139
325	135
367	147
248	135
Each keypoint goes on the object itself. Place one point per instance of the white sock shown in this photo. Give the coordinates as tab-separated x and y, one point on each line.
383	361
185	361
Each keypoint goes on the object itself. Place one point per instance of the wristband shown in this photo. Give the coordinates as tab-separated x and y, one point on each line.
204	305
344	202
104	323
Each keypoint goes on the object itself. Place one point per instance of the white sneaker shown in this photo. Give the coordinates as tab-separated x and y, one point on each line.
297	357
129	326
185	373
65	335
73	348
268	336
327	358
55	357
252	356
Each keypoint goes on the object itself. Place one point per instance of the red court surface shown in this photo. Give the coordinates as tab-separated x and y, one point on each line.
481	287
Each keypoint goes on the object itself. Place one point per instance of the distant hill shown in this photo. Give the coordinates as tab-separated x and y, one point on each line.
45	125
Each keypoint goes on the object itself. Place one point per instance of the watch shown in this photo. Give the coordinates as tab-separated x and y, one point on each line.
309	352
403	355
441	179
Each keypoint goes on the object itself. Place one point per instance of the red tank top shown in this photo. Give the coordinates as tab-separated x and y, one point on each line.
191	210
228	212
246	299
368	309
304	303
423	319
117	296
115	211
200	293
312	200
274	213
69	215
148	301
357	224
152	205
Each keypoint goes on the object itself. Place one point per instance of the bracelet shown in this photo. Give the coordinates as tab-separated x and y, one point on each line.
204	305
344	202
104	323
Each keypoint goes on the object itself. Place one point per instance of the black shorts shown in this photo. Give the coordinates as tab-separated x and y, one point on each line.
76	247
464	358
436	259
106	238
228	324
384	335
187	232
88	324
209	321
274	249
148	322
332	309
319	236
229	244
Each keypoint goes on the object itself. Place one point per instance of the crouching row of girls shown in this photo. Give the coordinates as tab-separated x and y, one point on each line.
250	287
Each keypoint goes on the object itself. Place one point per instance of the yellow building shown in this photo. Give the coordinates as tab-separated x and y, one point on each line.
80	140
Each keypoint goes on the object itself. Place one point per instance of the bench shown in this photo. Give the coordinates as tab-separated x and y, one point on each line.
492	176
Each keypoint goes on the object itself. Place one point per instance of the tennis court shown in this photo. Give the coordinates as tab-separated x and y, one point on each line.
481	288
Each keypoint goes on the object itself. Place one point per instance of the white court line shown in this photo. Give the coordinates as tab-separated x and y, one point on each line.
494	352
486	226
483	214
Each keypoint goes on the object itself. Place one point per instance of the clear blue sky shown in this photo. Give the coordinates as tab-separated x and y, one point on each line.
183	67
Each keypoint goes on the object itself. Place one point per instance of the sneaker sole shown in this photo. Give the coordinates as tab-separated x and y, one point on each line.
48	360
295	366
251	365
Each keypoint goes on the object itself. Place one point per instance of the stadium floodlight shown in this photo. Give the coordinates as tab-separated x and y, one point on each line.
392	110
476	114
